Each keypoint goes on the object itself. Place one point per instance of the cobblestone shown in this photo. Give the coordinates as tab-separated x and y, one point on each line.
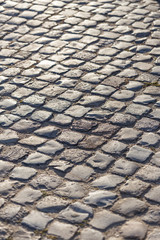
79	119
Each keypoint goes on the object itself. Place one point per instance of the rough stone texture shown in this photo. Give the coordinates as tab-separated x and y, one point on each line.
134	229
62	230
139	154
79	119
129	207
104	219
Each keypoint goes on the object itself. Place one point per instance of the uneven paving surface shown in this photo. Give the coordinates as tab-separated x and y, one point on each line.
79	119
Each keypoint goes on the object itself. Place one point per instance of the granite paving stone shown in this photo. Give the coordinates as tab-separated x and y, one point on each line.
104	219
76	213
100	198
139	154
51	204
27	195
79	119
47	181
134	187
36	220
63	230
134	229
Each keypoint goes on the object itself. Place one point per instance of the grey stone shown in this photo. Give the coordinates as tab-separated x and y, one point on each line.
36	159
124	167
83	125
77	111
90	234
127	134
134	86
152	90
113	106
103	90
123	95
139	154
123	119
74	155
36	220
22	92
57	105
34	100
154	235
152	216
134	187
8	103
91	142
5	167
100	160
22	173
41	115
27	195
46	181
149	139
25	126
107	181
155	114
153	194
73	190
129	207
90	101
48	131
76	213
134	229
80	173
149	173
100	198
32	141
98	114
128	73
147	124
70	137
62	230
52	90
104	219
8	136
71	95
23	110
51	204
9	211
61	165
144	99
8	119
137	109
62	120
114	147
105	129
156	159
51	147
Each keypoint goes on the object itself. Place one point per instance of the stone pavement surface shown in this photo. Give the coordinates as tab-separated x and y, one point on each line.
79	119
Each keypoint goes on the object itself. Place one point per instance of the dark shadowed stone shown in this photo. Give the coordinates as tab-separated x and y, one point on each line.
91	142
106	129
83	125
13	153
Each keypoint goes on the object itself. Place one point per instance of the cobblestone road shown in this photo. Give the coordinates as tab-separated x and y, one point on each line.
79	119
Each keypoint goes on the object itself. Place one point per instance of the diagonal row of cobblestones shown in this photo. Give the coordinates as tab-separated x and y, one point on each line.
79	119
